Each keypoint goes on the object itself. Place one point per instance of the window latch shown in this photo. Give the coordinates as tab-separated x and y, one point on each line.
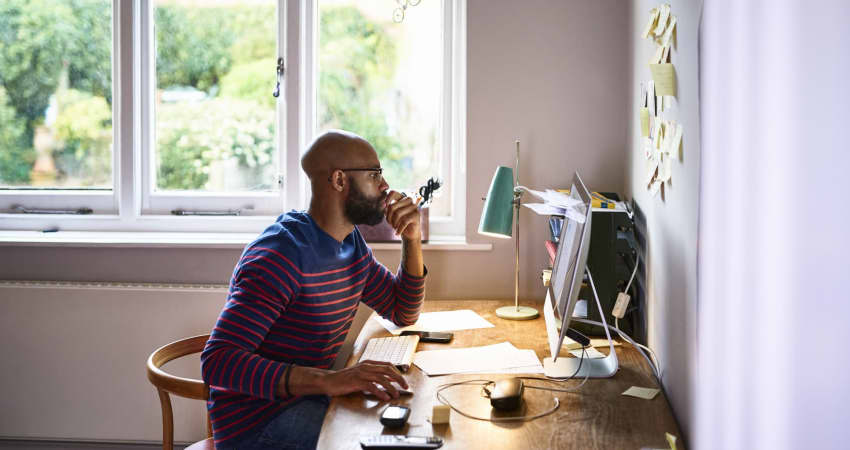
280	71
20	209
186	212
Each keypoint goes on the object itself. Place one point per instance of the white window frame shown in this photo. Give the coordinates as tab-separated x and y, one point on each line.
129	208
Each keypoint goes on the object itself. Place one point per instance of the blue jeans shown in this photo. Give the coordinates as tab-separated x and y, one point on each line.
296	427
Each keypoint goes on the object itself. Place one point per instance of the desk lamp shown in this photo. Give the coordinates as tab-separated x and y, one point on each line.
502	202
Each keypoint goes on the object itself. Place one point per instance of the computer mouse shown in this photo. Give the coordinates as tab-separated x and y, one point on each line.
507	394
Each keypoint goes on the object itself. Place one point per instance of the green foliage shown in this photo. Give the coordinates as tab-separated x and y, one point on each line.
192	137
34	37
16	158
252	81
357	60
85	127
90	49
192	46
256	30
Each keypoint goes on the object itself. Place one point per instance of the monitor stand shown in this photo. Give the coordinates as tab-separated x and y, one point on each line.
581	367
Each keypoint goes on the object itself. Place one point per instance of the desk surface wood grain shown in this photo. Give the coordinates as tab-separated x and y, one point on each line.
597	416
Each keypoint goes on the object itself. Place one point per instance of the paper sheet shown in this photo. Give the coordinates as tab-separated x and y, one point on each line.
464	319
642	392
664	77
535	368
555	198
488	358
544	209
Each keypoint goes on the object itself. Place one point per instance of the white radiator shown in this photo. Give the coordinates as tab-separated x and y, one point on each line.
73	358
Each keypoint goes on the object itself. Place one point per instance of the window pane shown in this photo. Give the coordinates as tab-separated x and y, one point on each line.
56	94
215	113
383	80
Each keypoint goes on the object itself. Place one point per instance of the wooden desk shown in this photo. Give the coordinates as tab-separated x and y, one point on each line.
595	416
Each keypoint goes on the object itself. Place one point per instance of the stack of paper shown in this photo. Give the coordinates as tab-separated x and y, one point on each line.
555	204
496	358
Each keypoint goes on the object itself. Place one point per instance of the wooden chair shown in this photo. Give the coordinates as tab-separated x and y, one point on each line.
185	387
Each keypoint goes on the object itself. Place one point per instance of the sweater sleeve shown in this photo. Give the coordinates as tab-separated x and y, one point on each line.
260	289
397	298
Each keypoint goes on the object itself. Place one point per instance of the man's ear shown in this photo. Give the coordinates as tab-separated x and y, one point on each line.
337	180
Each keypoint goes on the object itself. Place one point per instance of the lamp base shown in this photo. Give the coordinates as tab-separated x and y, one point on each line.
517	313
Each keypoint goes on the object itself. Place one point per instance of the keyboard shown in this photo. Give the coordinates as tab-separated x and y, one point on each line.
397	350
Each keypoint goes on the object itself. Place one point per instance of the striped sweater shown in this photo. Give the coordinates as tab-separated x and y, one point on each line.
292	298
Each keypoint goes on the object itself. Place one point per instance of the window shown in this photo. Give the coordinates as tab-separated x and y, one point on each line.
56	104
190	123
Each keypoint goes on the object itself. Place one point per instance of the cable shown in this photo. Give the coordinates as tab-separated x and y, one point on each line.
444	401
628	339
637	260
557	402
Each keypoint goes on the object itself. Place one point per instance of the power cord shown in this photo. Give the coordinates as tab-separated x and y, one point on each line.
485	383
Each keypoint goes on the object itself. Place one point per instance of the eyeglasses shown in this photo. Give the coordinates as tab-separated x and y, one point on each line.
375	175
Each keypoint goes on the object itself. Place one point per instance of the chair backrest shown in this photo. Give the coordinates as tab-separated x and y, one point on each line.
166	383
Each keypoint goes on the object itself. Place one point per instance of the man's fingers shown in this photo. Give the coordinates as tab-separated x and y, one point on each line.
386	371
401	214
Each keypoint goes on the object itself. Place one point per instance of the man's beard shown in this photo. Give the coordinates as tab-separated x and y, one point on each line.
360	209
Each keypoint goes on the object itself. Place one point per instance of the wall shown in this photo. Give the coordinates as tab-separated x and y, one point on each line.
668	222
553	74
773	269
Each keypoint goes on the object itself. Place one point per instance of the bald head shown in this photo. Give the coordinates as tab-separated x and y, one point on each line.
337	149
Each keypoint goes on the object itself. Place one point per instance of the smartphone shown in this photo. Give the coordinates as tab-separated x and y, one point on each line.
395	416
430	336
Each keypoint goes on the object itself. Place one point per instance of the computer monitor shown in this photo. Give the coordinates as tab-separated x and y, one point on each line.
564	286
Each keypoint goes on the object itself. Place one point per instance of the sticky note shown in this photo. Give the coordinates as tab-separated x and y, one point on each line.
641	392
675	141
646	144
440	414
650	25
664	76
570	344
671	440
667	37
656	57
602	343
589	352
644	122
666	170
655	187
663	17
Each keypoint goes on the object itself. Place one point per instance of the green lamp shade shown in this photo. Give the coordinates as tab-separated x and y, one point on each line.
497	216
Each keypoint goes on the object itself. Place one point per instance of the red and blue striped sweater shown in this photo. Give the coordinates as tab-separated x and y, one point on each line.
292	298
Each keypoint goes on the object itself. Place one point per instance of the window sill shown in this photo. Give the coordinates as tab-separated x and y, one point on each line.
112	239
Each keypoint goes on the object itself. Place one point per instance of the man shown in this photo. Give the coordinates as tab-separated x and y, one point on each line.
292	298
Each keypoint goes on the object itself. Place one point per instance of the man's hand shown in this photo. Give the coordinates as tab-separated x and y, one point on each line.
403	216
365	376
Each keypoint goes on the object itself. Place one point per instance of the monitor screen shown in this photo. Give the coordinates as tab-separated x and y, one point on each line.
568	269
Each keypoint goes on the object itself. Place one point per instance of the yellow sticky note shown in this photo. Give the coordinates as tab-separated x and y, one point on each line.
664	77
640	392
644	122
653	20
671	440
